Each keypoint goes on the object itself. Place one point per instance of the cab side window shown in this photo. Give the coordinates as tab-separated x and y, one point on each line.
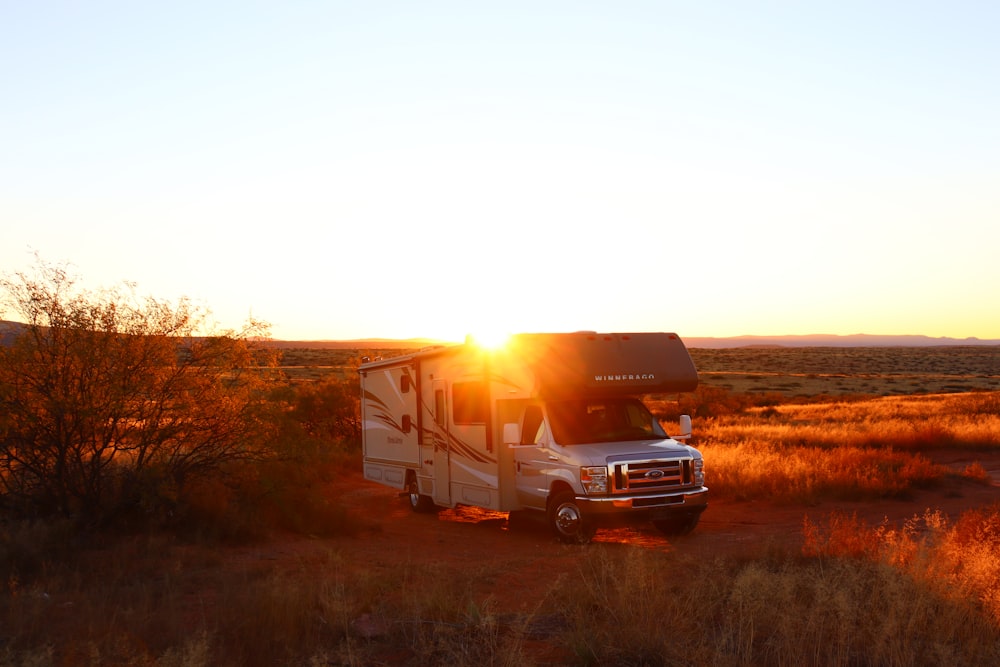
533	426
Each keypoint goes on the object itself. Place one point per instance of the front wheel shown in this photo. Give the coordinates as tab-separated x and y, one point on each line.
568	520
418	502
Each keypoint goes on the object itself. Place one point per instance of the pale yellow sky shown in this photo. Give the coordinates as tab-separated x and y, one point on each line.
434	169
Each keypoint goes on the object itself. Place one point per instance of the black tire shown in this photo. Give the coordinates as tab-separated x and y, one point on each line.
568	520
678	526
418	502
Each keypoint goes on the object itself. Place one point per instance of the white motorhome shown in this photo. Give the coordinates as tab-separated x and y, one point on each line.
550	423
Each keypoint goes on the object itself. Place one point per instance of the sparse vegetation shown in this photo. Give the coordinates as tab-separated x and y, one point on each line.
165	593
856	594
922	593
865	449
110	405
926	593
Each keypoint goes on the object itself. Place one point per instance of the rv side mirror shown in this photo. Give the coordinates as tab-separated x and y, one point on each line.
511	435
685	427
407	423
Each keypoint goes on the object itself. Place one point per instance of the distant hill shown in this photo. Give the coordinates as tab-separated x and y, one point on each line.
815	340
8	330
830	340
365	344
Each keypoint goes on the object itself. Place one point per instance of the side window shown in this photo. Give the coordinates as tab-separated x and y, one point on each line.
468	400
533	426
439	407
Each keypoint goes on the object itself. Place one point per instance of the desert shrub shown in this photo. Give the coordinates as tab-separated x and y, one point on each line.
822	609
977	473
843	450
898	422
316	447
959	561
755	470
857	595
709	401
112	403
295	490
329	409
115	413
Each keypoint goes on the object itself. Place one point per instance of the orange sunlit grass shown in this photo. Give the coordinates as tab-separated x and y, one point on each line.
902	422
860	450
924	593
957	560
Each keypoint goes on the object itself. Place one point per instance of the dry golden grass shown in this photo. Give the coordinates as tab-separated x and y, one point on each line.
858	595
926	593
806	475
844	450
152	603
958	562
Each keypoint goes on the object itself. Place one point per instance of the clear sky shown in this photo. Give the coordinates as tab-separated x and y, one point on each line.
400	169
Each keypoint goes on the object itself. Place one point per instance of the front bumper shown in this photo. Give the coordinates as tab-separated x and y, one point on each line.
644	507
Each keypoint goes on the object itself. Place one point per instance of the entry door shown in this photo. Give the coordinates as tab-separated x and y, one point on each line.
531	461
441	444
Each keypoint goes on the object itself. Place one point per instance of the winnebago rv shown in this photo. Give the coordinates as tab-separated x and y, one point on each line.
548	422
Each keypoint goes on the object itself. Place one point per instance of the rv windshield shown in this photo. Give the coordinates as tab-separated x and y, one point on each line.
582	421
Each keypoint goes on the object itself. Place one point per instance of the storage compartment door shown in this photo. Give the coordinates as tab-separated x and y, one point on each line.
389	412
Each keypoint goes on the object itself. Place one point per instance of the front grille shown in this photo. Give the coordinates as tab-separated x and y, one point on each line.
651	476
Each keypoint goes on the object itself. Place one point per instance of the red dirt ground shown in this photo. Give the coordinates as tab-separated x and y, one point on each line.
516	562
528	555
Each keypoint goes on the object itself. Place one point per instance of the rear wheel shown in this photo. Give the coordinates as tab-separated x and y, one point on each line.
568	520
418	501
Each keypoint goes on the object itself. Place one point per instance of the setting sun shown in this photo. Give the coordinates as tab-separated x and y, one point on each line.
490	340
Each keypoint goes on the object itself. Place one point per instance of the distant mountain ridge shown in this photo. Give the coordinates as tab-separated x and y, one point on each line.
8	330
833	340
813	340
360	344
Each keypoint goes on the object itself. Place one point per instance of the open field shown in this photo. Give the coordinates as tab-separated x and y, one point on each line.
900	581
880	371
839	532
787	371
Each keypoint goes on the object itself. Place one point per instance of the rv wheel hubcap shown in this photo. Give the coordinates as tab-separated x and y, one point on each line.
568	519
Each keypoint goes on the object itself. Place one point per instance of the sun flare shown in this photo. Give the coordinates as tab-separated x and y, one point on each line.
489	340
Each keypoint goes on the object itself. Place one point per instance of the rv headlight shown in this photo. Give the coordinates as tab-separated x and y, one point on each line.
594	479
699	472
